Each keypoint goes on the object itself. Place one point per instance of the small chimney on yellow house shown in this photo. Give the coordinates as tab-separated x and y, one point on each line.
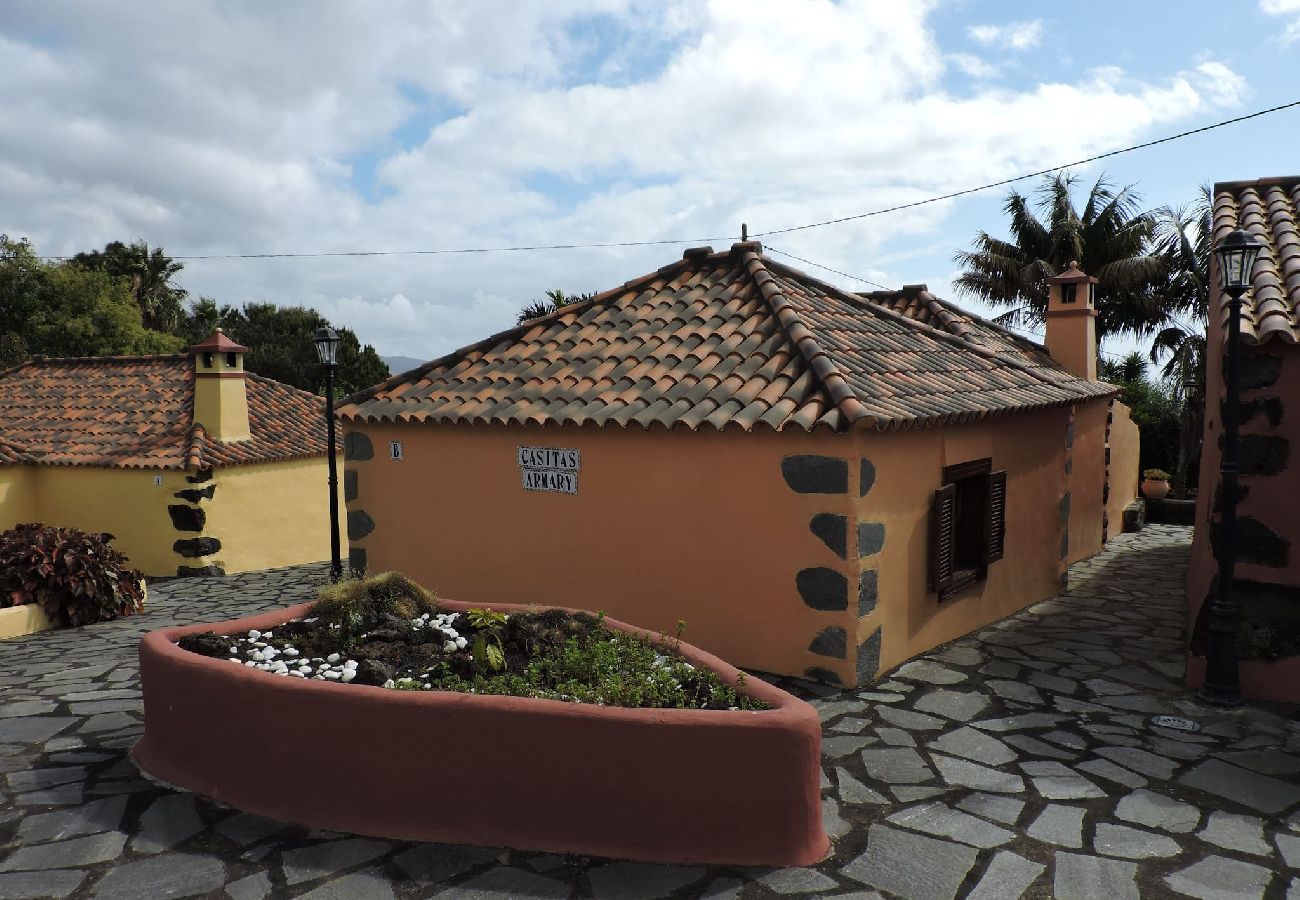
1072	321
220	398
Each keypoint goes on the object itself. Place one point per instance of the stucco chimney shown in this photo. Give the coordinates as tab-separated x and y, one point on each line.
220	397
1072	321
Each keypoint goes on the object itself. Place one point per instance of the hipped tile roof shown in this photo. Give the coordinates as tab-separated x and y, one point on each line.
138	412
734	339
1270	210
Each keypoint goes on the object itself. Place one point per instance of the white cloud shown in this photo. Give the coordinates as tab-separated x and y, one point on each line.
1012	35
1284	8
237	127
972	65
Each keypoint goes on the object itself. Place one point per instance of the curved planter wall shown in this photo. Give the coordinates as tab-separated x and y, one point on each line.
690	786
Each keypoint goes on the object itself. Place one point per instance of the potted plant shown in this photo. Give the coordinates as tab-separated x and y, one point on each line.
1155	484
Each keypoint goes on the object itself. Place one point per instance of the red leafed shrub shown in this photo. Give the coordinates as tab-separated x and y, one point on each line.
76	577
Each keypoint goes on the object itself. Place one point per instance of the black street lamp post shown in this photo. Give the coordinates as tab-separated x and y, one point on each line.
327	346
1236	255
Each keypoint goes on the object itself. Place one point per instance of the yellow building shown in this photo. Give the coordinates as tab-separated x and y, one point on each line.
818	482
194	465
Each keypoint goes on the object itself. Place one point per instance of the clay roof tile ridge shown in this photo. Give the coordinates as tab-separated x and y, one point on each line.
832	379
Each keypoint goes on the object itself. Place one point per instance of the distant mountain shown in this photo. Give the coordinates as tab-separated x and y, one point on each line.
399	364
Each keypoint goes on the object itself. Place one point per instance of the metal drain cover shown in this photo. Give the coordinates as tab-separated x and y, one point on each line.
1177	723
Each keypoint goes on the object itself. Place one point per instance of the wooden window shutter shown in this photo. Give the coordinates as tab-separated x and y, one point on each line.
943	538
996	523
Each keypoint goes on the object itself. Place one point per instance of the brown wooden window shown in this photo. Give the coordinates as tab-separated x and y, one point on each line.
968	525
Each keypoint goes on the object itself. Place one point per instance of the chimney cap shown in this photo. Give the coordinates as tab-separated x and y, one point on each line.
218	343
1072	275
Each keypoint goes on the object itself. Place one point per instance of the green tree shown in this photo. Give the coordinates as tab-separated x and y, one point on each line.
202	317
64	309
279	341
150	274
1109	238
1183	239
1155	408
554	301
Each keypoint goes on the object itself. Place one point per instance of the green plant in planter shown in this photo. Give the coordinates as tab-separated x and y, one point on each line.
1156	475
366	600
489	653
77	578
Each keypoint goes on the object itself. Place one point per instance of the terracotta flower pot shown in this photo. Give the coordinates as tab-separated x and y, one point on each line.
1155	490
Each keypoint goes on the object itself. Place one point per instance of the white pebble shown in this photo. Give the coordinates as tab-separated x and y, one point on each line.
254	634
232	659
333	658
461	643
332	675
299	674
449	647
350	664
250	663
348	674
289	651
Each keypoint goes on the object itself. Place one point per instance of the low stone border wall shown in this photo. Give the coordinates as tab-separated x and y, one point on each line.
685	786
16	621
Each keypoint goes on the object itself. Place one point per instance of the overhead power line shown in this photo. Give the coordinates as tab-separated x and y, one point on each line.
772	249
704	240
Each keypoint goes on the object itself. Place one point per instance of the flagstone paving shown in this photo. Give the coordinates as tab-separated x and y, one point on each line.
1019	761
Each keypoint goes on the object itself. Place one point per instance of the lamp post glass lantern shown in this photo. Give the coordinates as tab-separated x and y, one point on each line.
1236	255
327	348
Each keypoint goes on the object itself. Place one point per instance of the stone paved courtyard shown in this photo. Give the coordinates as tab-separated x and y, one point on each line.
1018	761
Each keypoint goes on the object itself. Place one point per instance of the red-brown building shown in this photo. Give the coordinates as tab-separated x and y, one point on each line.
1268	511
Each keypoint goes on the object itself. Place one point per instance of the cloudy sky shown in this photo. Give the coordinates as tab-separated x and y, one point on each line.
250	127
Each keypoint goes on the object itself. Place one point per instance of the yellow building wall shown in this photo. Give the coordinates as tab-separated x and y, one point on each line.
127	503
909	469
1087	479
265	515
17	496
271	514
665	526
1124	475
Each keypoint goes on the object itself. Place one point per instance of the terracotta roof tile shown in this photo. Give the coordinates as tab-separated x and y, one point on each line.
736	340
1270	210
138	412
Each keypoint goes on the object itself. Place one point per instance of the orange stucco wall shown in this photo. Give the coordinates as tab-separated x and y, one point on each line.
1124	475
1087	480
909	468
703	527
665	526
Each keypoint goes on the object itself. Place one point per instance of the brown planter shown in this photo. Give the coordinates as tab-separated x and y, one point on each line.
685	786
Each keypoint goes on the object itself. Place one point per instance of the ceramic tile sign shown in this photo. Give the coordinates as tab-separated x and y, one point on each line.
550	469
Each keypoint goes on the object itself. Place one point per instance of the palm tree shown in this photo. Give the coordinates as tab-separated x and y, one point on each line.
150	274
1183	239
555	299
1109	238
